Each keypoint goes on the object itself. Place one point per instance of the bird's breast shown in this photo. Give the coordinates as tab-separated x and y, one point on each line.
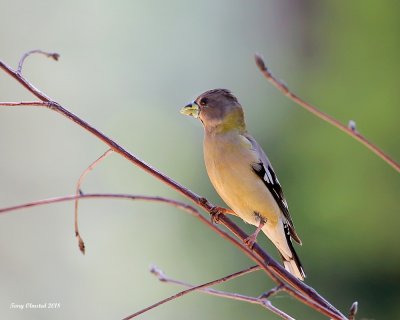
228	161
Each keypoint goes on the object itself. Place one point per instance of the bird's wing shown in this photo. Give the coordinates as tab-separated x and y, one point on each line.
265	171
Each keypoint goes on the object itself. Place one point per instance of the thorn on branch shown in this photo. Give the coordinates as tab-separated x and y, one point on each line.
353	310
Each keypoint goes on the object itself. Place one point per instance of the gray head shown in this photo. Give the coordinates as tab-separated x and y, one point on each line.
218	109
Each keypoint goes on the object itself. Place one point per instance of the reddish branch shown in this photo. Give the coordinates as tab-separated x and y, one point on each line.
37	203
262	300
54	55
23	103
298	289
161	277
81	243
350	129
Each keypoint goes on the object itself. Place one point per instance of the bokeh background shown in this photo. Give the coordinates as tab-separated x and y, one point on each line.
127	67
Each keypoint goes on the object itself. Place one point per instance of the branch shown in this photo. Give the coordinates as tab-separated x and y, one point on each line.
161	277
23	104
350	130
54	56
262	300
186	207
78	191
301	291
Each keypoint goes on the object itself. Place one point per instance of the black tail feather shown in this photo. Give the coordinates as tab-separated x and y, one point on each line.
294	254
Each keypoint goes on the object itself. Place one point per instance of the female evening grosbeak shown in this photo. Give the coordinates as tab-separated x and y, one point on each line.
242	174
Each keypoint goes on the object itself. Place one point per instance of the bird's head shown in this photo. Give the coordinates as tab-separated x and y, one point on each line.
218	110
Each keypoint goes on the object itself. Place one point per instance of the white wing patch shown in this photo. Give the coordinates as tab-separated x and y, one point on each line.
268	176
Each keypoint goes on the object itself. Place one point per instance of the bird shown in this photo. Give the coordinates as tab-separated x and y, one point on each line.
242	175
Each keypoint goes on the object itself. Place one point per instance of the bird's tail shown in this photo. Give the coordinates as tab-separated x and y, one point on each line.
293	265
279	235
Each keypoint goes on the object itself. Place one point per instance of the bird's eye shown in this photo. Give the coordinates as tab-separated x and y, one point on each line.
203	102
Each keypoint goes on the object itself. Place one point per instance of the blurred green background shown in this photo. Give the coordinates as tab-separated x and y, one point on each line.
127	67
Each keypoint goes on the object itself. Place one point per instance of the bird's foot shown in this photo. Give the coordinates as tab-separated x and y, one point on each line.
215	213
250	240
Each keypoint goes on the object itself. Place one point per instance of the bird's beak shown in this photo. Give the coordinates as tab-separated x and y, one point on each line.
192	109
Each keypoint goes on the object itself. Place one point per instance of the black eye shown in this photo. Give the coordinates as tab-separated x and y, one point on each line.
203	101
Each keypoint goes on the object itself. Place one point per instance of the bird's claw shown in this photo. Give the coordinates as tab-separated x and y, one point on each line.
250	241
215	213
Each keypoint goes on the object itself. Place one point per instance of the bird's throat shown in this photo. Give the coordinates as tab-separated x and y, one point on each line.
233	121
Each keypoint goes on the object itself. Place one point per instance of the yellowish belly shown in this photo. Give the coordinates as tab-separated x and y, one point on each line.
229	168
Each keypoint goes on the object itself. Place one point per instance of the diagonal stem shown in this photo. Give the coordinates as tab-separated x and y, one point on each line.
161	277
229	295
350	129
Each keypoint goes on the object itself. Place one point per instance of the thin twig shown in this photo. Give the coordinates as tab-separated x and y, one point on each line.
235	296
81	243
322	115
23	104
53	55
48	201
163	278
271	292
306	294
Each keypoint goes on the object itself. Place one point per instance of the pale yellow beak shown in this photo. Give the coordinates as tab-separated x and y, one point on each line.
192	109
